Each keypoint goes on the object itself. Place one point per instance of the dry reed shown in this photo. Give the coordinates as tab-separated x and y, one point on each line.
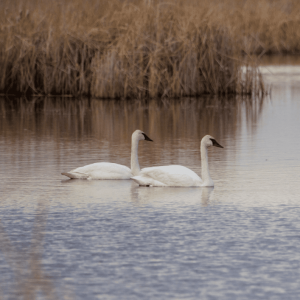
129	49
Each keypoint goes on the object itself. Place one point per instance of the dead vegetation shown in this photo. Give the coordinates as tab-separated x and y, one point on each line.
137	49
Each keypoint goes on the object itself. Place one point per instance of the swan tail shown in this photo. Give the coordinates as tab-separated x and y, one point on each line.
75	175
138	180
146	181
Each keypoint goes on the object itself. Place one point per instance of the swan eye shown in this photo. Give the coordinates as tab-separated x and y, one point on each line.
216	144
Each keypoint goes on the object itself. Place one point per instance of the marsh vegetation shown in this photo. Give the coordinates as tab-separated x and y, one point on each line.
123	49
137	49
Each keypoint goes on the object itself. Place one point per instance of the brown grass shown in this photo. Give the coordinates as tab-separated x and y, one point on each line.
137	49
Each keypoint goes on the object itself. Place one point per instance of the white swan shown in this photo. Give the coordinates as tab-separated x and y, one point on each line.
175	175
105	170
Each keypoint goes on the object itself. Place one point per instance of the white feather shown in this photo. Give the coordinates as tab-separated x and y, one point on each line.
106	170
175	175
102	170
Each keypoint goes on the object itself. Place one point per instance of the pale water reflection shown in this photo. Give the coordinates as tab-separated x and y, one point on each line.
176	196
79	239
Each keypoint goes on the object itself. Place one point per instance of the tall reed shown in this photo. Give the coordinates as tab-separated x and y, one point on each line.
126	49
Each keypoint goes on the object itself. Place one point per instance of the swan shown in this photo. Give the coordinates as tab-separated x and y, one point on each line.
106	170
175	175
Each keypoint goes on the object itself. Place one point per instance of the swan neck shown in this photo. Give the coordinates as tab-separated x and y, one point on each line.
135	167
204	166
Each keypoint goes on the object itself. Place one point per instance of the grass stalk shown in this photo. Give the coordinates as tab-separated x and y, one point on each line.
137	49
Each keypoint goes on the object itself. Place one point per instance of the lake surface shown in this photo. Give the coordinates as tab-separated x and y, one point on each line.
78	239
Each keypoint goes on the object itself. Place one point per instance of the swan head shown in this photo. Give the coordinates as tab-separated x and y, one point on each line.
140	135
209	141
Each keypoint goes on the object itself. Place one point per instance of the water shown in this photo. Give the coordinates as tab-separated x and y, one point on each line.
72	239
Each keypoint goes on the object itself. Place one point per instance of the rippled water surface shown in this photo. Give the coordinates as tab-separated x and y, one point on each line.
72	239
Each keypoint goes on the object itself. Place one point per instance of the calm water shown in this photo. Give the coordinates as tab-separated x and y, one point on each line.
72	239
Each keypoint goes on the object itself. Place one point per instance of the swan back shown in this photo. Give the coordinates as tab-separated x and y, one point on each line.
173	175
102	170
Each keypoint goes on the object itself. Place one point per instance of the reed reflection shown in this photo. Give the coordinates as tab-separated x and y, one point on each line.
105	126
104	118
26	263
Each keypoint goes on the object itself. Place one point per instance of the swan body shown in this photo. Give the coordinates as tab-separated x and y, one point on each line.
106	170
102	170
175	175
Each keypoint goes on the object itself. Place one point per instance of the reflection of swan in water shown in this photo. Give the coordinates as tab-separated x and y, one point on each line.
180	196
178	175
206	191
105	170
82	192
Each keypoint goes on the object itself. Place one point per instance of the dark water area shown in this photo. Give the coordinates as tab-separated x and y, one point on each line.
85	239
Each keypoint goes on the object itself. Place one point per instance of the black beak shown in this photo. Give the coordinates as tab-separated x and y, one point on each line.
147	138
216	144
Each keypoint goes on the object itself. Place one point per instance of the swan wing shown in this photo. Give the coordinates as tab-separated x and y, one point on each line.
102	170
173	175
